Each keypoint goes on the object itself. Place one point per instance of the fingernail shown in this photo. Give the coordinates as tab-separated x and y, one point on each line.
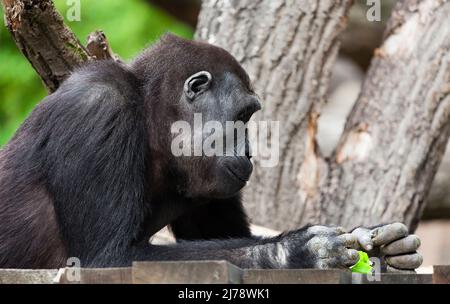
369	247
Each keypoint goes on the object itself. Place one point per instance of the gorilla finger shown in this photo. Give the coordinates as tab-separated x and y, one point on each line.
349	240
340	230
320	230
405	245
407	261
350	257
389	233
391	269
335	262
326	264
364	237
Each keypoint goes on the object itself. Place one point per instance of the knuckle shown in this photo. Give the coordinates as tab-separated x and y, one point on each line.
400	227
359	230
322	264
319	230
340	230
353	254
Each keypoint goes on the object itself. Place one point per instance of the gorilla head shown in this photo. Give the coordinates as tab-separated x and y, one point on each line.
193	79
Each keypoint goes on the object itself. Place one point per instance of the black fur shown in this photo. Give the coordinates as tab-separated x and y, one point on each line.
89	174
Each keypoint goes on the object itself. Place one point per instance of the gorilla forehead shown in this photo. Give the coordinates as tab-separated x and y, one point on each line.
177	58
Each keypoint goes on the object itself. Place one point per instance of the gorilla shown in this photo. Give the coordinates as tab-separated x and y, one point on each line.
90	174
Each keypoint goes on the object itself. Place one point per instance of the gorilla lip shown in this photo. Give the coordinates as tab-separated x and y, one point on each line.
235	175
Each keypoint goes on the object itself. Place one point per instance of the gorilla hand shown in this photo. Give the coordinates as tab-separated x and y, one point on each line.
393	244
320	247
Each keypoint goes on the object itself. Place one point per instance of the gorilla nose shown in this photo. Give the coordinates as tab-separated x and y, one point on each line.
251	106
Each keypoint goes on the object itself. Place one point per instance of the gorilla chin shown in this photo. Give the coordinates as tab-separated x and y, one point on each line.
233	174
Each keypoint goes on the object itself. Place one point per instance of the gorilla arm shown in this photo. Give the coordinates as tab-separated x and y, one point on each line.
206	232
310	247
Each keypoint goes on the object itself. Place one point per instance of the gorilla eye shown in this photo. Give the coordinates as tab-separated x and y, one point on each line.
197	84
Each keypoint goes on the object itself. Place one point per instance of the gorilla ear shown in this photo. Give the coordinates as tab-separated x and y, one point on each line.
197	84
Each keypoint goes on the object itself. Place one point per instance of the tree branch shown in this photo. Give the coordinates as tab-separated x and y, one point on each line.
98	46
48	44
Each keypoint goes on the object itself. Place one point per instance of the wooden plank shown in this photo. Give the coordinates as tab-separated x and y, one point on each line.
393	278
98	276
186	272
27	276
296	276
441	274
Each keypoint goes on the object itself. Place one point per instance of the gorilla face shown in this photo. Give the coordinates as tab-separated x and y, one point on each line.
217	107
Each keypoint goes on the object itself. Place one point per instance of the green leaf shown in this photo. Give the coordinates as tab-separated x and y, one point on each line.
364	265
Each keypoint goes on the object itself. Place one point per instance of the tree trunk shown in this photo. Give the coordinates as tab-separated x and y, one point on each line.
288	48
438	206
395	136
397	132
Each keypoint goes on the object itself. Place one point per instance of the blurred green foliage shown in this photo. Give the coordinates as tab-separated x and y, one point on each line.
129	25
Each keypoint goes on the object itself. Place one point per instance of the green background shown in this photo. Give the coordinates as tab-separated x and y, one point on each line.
129	25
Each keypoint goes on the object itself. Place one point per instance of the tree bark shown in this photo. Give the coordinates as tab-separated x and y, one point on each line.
49	45
397	132
438	206
98	46
288	48
394	138
40	33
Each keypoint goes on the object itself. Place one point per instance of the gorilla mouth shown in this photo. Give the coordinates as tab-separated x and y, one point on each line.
236	174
